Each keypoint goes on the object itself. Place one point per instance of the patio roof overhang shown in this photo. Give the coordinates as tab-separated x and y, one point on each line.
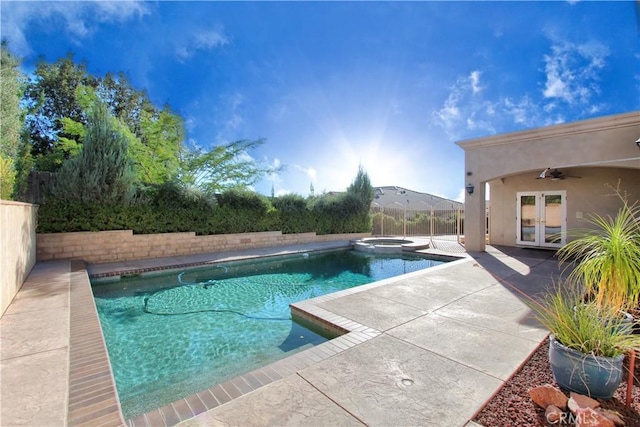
609	141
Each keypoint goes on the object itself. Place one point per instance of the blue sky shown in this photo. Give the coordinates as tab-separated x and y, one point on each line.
331	85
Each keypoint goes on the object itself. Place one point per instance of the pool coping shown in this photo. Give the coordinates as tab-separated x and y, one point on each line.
92	395
33	368
348	334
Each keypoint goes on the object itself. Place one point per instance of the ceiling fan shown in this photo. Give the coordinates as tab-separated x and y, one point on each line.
555	175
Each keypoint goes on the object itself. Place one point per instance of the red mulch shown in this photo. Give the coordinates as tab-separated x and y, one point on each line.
512	406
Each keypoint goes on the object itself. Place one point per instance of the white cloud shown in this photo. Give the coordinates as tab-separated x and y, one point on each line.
274	177
201	41
229	117
310	172
572	71
453	114
77	19
571	86
474	78
521	111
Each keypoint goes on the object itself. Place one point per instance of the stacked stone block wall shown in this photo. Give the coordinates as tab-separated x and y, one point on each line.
123	245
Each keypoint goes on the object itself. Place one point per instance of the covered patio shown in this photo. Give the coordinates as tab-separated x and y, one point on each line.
573	168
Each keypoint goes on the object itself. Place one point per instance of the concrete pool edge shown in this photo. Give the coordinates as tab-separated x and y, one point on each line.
352	334
44	291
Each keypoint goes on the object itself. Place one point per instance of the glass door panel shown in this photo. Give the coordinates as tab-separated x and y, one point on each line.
528	214
541	218
552	218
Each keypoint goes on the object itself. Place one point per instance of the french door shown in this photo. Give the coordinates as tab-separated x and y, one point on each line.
541	218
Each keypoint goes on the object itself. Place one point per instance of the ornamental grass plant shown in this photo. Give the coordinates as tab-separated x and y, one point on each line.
606	259
585	326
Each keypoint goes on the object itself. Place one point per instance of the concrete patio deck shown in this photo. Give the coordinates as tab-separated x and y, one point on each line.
427	348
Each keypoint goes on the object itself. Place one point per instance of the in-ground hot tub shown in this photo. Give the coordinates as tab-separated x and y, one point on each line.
389	245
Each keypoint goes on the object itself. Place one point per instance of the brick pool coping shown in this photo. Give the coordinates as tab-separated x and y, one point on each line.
93	399
93	396
348	334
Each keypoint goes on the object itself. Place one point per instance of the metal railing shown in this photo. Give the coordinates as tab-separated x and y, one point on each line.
440	220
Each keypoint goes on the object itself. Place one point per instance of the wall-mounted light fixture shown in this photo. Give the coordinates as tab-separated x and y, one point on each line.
470	188
638	142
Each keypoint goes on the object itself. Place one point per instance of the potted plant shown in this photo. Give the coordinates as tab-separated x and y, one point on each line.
589	333
588	341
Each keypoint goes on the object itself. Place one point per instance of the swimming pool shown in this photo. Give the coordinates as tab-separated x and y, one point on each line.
174	334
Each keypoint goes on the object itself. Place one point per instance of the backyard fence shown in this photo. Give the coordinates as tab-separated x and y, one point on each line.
38	184
440	220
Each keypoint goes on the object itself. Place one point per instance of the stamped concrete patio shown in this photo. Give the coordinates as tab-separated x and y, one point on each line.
427	348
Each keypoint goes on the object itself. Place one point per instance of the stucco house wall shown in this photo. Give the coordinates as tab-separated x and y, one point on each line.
592	193
600	150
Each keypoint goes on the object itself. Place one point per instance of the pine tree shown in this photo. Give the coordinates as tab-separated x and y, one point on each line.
362	190
11	122
102	172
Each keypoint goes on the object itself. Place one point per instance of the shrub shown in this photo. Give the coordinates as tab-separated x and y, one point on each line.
102	172
295	215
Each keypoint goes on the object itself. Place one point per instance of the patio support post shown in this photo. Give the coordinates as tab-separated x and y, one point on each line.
474	219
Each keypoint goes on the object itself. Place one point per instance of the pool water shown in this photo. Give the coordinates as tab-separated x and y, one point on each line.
175	334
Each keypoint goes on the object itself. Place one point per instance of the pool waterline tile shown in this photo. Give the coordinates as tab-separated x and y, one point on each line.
251	380
183	409
241	385
196	404
220	394
170	416
208	399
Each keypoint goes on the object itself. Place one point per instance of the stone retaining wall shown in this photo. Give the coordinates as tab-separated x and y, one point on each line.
123	245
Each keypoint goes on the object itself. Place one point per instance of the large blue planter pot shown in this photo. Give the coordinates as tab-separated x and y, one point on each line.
594	376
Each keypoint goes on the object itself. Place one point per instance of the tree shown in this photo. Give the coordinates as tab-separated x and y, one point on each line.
59	98
103	171
161	135
11	122
51	96
362	190
125	102
225	166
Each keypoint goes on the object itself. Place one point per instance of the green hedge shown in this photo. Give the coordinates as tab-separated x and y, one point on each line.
295	214
170	208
